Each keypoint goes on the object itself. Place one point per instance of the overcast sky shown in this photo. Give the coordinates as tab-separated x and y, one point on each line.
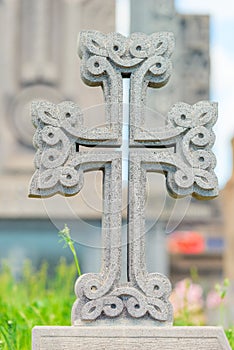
222	68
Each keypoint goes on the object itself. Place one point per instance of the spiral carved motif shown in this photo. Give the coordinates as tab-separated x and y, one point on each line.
190	170
128	299
125	54
59	128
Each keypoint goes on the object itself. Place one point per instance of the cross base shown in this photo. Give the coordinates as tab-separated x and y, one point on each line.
122	337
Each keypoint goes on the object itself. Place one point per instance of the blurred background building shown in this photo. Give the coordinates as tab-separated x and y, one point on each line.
39	61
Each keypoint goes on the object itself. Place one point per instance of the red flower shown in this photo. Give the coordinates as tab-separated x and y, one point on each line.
186	242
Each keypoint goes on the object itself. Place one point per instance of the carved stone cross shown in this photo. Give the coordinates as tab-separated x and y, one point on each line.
181	150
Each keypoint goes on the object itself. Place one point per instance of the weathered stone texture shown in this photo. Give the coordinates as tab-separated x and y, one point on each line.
188	166
115	338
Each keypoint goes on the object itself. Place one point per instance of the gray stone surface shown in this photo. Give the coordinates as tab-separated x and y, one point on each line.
188	164
122	337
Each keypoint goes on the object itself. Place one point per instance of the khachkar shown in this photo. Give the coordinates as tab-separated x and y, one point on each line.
181	150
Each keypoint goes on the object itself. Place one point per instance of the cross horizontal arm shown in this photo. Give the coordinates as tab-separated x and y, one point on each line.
68	117
59	167
190	168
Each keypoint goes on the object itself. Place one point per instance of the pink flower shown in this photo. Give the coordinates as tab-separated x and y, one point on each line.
187	295
213	300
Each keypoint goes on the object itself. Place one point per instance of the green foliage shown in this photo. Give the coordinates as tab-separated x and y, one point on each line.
36	299
40	299
230	336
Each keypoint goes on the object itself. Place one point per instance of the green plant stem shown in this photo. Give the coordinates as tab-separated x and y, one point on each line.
66	237
71	246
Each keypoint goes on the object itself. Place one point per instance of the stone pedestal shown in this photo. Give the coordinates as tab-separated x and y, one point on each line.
119	338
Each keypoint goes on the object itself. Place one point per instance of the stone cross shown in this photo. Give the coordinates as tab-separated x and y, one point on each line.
181	150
